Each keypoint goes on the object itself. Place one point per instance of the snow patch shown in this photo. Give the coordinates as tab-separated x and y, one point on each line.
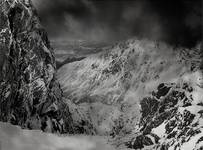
160	130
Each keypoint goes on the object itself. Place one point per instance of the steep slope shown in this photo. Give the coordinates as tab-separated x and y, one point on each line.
141	93
30	96
131	64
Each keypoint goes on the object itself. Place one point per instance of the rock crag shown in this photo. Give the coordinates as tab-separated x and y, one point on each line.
30	96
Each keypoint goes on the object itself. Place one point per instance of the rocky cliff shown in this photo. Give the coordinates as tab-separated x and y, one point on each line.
30	96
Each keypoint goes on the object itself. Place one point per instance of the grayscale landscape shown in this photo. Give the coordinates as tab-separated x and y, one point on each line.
101	75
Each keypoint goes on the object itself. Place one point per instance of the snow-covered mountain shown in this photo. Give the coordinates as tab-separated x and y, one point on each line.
142	94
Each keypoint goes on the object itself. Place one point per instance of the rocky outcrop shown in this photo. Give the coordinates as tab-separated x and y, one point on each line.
170	119
30	96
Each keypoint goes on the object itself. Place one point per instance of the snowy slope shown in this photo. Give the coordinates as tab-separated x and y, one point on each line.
129	67
14	138
120	91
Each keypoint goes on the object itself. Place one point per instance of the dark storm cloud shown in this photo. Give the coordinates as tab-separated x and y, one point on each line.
176	22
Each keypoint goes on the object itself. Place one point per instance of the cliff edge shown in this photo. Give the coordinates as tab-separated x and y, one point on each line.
30	96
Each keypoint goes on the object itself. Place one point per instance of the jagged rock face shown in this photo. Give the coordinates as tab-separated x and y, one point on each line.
170	119
29	93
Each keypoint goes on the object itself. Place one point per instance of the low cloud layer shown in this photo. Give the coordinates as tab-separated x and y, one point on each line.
176	22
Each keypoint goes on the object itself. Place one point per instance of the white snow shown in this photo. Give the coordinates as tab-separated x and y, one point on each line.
191	143
14	138
160	130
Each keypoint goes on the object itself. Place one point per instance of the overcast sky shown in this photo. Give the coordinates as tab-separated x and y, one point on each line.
173	21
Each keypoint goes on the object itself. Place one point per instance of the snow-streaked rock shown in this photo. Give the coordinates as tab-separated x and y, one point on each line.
30	96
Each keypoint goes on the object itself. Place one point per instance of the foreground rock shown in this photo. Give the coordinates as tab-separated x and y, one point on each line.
29	94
